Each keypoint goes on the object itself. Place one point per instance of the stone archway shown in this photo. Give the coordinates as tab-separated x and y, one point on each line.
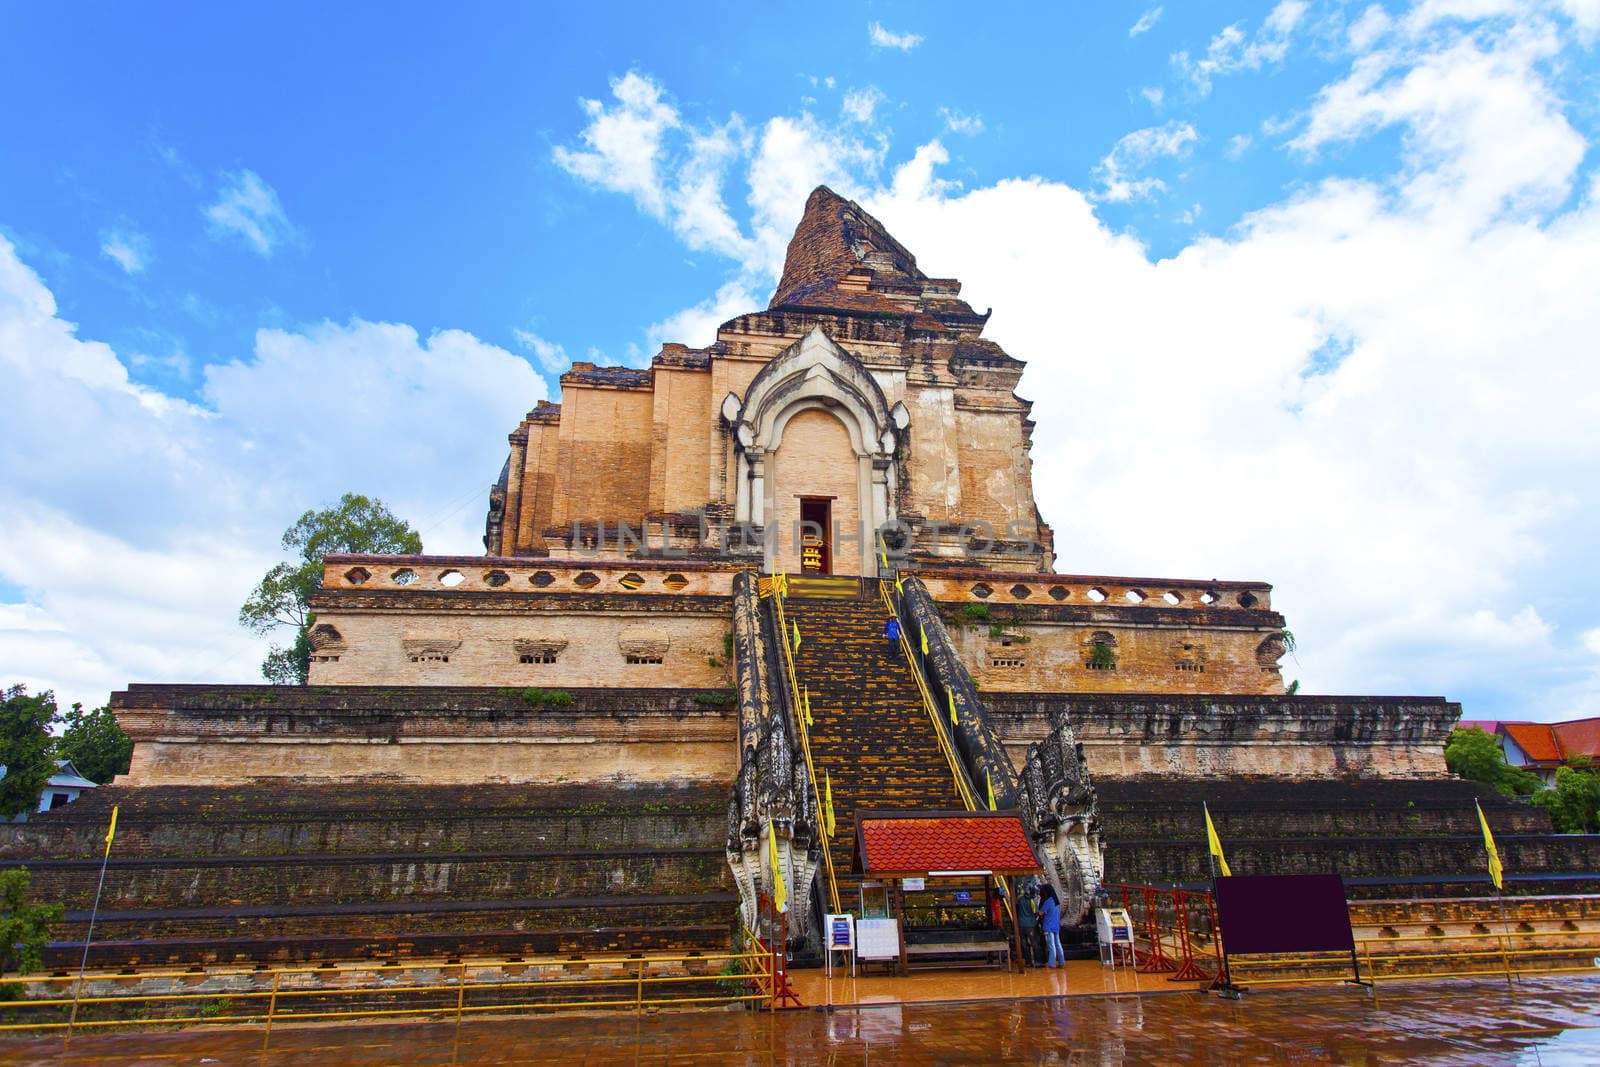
815	375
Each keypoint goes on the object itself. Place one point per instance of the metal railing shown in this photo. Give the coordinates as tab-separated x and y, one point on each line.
1176	931
442	990
776	588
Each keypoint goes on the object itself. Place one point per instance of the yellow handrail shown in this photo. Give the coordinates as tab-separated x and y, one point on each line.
945	743
778	594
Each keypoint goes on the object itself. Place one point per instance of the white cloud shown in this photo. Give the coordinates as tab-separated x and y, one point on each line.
552	357
1238	144
1146	22
1233	50
957	122
137	521
1119	170
129	249
1376	393
859	104
1154	95
248	207
886	38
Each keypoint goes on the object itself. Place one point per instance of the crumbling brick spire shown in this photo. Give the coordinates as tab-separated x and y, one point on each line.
838	252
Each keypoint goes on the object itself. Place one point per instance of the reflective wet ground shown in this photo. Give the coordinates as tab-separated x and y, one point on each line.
1546	1022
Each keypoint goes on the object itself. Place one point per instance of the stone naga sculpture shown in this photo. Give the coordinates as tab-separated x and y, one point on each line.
1061	813
772	791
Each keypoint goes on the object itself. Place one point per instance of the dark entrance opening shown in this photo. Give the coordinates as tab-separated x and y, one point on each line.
816	535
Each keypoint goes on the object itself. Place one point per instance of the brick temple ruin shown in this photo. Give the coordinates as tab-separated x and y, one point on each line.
581	741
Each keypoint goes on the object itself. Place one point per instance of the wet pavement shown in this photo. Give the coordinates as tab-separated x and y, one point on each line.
1548	1022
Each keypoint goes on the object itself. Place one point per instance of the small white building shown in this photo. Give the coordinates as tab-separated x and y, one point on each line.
63	787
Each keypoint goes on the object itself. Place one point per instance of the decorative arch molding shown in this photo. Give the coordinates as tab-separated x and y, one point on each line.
814	373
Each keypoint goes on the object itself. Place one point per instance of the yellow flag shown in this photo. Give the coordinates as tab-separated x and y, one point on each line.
806	703
953	720
111	831
1215	844
883	553
796	636
827	805
1496	871
898	587
990	779
924	640
780	893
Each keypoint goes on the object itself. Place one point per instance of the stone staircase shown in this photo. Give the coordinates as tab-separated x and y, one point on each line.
870	731
284	873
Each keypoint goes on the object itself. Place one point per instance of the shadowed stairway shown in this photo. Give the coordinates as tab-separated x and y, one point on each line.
870	732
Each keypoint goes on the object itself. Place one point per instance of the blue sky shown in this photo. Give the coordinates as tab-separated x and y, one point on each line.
1301	287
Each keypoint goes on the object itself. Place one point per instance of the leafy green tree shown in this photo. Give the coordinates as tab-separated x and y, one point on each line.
283	598
1574	803
26	749
24	927
95	743
1471	753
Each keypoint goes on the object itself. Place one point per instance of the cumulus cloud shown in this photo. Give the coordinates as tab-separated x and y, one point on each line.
248	208
1233	50
886	38
1375	392
129	249
1120	169
137	521
1146	22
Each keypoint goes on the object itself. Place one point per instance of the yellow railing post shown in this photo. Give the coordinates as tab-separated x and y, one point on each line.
272	1009
638	989
461	994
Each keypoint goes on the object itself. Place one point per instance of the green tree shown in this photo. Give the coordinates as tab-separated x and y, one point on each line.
24	927
26	749
1471	753
95	743
1574	803
283	598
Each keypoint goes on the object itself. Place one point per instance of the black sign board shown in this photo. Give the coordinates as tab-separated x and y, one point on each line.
1284	913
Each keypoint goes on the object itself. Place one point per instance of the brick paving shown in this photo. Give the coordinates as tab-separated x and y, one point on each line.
1549	1022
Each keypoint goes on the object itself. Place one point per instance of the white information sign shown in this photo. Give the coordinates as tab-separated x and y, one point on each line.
878	939
840	934
913	885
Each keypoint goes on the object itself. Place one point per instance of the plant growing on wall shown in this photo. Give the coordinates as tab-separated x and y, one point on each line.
1102	658
283	596
24	927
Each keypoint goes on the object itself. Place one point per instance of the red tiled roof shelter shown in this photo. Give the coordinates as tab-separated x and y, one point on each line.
1551	744
902	845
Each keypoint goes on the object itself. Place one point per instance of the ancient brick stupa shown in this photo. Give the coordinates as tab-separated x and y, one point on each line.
594	736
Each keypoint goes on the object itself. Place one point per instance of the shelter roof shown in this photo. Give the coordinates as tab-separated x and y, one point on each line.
901	844
1537	739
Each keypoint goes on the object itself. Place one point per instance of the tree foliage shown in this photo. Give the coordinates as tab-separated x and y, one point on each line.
283	597
24	927
95	743
1471	753
26	749
1574	803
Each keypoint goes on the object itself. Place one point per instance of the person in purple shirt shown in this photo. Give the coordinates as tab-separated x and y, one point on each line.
1050	926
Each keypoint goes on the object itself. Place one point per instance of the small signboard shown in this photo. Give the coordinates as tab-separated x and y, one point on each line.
878	939
1115	934
913	885
840	932
963	897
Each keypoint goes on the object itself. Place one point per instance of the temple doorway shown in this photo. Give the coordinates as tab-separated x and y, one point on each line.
816	535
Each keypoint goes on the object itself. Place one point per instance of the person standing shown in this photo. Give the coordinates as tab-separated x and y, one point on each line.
1050	923
891	631
1028	920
